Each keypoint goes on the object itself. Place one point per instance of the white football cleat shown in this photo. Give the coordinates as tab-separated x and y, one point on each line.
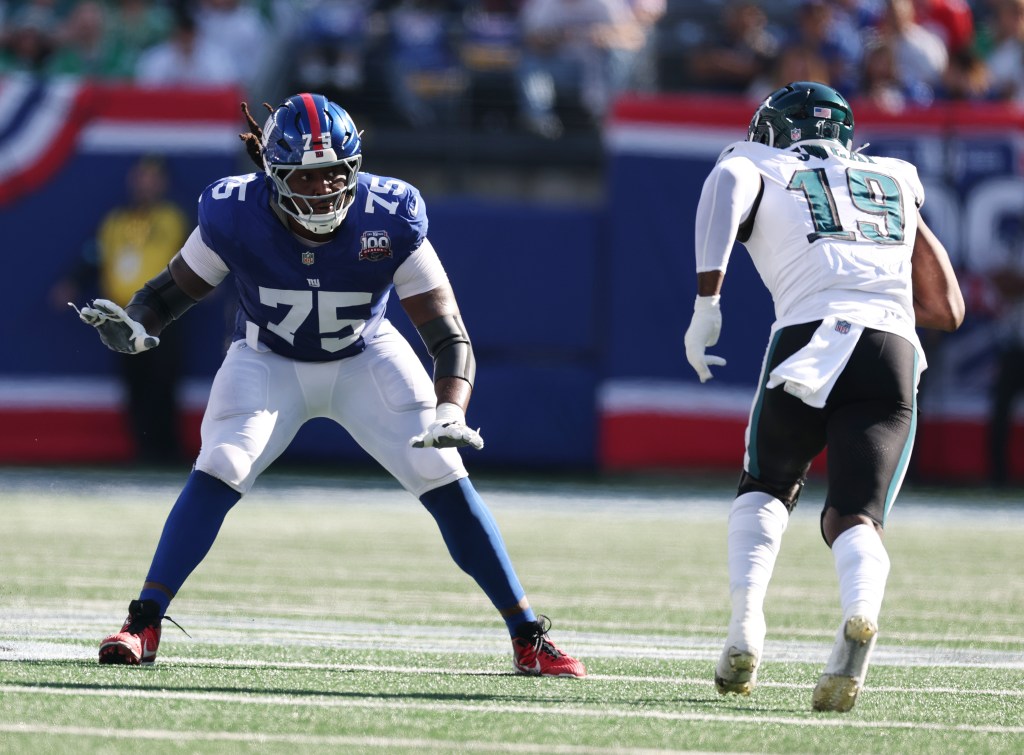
844	674
737	667
737	671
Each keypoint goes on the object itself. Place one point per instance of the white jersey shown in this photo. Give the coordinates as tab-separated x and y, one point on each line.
830	232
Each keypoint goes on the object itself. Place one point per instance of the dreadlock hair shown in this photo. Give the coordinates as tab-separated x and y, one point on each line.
254	139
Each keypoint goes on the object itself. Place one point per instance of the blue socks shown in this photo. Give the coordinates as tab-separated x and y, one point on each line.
468	529
188	534
476	546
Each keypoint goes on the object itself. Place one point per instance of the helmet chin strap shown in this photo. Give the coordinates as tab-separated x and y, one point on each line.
322	228
286	216
321	223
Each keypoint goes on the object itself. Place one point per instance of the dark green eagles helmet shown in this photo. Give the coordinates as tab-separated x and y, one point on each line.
799	111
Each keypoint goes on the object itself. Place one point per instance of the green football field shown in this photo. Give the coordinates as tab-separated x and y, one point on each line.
329	618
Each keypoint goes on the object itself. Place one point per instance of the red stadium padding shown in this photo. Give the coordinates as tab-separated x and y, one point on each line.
957	451
75	436
669	441
945	450
692	442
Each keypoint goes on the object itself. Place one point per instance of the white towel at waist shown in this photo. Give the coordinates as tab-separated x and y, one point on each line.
811	372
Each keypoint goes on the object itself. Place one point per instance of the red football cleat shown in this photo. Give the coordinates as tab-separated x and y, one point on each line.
138	639
534	654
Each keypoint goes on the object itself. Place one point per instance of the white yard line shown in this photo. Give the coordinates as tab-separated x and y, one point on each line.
381	743
58	651
63	647
55	634
556	709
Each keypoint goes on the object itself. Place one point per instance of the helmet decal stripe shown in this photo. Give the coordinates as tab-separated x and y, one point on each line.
315	130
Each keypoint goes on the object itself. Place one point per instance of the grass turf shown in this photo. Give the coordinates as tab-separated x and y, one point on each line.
329	615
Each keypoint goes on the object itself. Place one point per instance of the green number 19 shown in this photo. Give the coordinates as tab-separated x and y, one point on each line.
872	193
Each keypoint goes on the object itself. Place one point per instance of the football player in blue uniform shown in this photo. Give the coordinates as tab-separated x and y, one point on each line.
316	247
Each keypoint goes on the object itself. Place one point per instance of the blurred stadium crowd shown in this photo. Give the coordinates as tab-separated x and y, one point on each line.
546	68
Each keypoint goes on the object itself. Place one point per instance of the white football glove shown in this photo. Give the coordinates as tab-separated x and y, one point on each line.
704	330
117	330
449	430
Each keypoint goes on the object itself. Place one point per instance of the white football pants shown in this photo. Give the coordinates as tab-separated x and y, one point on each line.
382	397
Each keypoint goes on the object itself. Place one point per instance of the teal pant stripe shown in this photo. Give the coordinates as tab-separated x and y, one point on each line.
754	465
901	468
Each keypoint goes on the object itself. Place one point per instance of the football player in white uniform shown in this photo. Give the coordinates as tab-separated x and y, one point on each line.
315	248
839	242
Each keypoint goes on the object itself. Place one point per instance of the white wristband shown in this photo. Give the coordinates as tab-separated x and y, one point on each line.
450	413
707	302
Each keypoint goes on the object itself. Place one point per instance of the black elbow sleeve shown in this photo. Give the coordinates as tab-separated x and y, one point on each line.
448	343
164	297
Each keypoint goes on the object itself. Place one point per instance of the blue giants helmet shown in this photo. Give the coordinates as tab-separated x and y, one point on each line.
799	111
309	131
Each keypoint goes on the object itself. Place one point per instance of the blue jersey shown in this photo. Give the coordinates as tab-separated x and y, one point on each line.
312	303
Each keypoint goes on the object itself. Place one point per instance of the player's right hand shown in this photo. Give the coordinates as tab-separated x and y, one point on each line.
705	327
117	330
448	430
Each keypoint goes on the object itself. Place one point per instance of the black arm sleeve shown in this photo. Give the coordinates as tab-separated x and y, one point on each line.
163	296
448	343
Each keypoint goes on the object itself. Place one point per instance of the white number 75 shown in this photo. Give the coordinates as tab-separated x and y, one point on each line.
300	305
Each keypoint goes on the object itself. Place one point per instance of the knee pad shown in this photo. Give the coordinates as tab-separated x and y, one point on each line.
424	469
229	464
788	494
436	463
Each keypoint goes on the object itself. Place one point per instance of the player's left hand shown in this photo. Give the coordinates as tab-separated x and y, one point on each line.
705	327
449	430
117	330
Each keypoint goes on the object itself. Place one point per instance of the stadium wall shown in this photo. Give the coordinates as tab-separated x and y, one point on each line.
577	313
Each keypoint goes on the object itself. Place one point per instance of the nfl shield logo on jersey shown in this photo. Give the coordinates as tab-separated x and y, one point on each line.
374	246
308	258
842	326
